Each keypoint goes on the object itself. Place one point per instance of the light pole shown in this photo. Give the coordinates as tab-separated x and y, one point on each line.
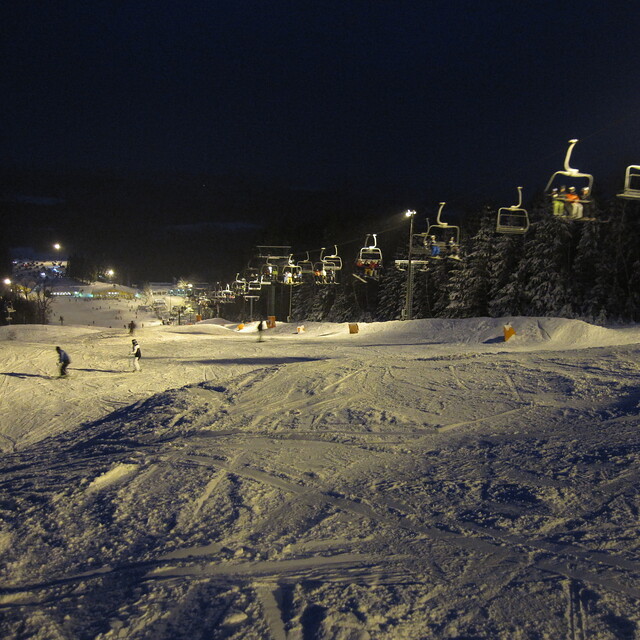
408	309
8	304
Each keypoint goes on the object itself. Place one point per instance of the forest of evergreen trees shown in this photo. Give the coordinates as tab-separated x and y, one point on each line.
572	269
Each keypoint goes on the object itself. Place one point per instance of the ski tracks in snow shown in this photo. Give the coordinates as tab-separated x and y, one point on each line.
304	477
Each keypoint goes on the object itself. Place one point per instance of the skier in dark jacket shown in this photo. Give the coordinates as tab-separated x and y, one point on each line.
136	354
63	361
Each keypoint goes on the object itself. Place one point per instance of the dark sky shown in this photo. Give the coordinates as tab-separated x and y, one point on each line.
448	97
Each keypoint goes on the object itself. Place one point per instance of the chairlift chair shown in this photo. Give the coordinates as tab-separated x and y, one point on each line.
269	272
443	239
252	277
513	219
319	273
240	284
369	260
331	264
333	261
291	273
631	183
571	179
306	266
419	244
227	294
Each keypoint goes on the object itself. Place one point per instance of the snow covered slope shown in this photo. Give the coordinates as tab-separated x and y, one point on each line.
415	480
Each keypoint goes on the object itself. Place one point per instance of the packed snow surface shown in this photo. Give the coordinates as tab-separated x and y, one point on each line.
420	479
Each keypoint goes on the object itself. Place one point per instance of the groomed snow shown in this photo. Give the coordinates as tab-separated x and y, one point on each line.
420	479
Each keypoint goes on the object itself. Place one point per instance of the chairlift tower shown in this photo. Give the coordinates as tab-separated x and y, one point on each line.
251	299
408	308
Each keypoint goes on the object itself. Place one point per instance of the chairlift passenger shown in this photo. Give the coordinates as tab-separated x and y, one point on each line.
557	203
435	248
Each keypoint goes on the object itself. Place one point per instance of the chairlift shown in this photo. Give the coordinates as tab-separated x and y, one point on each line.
306	266
240	284
227	294
332	262
442	240
631	183
291	273
513	219
570	189
369	260
320	273
269	272
251	276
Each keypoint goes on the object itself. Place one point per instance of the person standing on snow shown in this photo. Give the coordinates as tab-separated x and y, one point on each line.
63	362
136	354
260	330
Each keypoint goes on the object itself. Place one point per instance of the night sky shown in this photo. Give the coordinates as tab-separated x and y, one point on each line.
453	100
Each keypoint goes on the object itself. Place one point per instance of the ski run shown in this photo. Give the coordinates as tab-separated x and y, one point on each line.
414	480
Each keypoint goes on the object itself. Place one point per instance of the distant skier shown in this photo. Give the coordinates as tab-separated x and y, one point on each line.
260	330
63	362
132	327
136	354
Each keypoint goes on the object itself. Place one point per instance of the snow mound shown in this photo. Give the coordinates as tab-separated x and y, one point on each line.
201	328
563	333
120	473
556	333
219	321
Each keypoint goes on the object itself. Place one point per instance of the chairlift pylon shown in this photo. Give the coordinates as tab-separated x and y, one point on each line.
513	219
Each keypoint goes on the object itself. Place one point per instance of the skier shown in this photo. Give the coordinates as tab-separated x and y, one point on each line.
260	330
63	362
136	354
132	327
